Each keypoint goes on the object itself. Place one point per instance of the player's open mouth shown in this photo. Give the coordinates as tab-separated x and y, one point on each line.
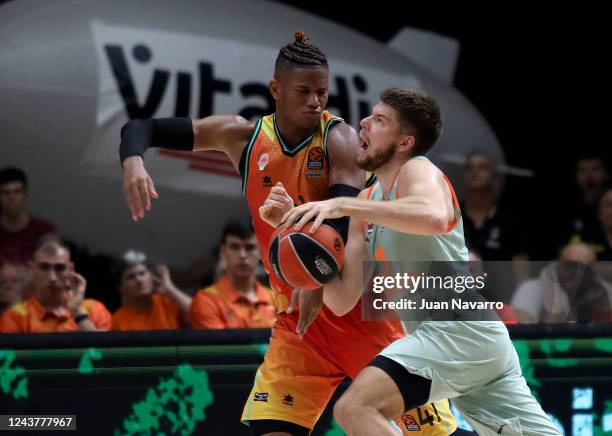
364	146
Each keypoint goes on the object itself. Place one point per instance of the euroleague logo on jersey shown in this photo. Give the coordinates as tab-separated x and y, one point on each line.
315	158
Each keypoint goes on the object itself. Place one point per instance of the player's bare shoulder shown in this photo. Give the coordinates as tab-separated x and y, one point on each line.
343	137
420	171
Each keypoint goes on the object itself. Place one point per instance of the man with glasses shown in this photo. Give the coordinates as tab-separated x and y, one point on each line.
58	301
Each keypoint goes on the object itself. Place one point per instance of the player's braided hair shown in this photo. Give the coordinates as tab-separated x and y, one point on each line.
301	53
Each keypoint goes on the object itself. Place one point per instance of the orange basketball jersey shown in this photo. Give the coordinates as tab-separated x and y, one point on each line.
303	170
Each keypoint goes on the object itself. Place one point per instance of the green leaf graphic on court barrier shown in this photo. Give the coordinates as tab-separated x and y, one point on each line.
556	346
335	430
603	344
174	407
86	365
522	349
13	380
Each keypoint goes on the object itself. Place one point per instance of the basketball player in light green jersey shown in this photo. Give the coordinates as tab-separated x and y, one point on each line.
411	214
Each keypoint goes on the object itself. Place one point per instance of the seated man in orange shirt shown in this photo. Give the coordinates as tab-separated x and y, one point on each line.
237	300
57	303
149	302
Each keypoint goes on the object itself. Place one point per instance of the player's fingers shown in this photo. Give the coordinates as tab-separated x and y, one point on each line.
136	201
273	204
151	188
317	222
294	299
305	218
280	198
127	194
145	199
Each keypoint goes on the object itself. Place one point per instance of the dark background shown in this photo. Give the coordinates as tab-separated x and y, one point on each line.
538	78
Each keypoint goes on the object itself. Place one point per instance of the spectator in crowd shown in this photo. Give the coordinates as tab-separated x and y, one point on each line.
599	237
12	285
507	314
567	290
18	230
237	299
149	302
58	302
592	178
490	230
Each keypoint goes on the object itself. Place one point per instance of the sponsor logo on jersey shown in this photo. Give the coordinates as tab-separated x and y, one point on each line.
313	174
261	396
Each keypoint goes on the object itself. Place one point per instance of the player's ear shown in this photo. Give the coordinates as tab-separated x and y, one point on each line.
407	142
274	87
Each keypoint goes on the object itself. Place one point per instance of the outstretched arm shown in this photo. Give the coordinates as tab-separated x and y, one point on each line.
226	133
423	207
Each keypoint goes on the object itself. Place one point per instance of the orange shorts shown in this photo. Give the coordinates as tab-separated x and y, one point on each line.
296	380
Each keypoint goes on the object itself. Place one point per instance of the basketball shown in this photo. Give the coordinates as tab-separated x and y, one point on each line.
304	260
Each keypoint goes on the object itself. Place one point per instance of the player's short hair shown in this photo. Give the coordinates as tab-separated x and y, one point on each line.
240	229
417	112
12	174
300	54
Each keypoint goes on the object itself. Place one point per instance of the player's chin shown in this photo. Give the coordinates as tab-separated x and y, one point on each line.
310	119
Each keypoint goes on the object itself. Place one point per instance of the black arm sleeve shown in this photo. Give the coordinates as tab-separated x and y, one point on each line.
341	225
171	133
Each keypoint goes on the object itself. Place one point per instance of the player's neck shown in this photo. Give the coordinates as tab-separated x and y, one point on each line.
14	223
386	174
291	135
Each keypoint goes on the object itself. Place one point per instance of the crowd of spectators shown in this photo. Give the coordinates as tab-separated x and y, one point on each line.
42	289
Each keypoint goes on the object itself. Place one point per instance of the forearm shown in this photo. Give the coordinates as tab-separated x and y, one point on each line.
416	215
171	133
179	297
340	297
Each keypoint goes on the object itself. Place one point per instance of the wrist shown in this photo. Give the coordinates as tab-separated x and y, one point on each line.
343	204
78	312
82	317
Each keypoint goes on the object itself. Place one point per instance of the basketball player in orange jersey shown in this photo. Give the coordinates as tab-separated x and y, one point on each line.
311	153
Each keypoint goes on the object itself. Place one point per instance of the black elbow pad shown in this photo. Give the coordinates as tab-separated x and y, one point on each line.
170	133
341	225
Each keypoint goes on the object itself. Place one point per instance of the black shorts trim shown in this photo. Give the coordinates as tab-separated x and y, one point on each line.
414	388
262	426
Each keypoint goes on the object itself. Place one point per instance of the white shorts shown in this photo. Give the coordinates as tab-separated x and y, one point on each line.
474	364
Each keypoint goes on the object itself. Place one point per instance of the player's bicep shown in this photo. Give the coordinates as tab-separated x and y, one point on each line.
221	132
342	145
